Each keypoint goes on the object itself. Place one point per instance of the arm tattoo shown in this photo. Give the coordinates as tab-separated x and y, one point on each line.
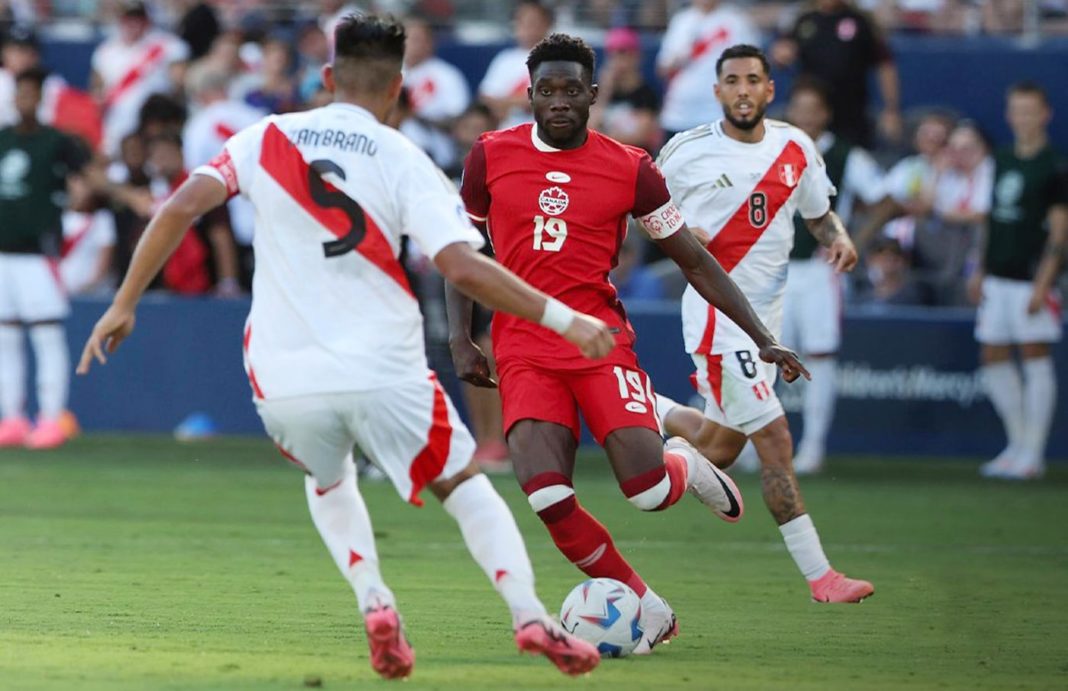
826	229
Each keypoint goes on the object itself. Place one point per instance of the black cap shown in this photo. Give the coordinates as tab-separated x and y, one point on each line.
22	35
133	8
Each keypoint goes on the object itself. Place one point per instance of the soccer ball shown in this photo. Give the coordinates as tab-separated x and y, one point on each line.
604	612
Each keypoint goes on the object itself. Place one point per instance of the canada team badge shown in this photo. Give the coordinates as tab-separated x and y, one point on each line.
553	201
788	174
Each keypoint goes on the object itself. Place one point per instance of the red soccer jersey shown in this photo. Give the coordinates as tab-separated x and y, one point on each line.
557	219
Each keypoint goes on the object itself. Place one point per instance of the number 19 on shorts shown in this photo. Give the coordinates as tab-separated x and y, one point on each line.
549	233
632	390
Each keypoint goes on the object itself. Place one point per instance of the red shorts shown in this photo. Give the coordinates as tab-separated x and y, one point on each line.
612	394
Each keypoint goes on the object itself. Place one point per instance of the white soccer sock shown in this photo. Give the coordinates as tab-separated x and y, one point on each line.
1040	399
819	402
341	517
803	543
53	368
12	372
1004	387
494	541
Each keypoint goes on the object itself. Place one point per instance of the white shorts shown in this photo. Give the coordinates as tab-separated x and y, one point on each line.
812	308
1003	317
411	431
31	289
739	390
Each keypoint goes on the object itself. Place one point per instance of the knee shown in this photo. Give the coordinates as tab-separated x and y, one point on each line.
774	443
648	491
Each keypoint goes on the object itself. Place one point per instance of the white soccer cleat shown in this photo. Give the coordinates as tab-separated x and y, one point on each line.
657	622
1000	466
712	486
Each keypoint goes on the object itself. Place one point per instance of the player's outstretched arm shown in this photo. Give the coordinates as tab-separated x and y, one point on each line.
713	284
830	232
197	195
499	289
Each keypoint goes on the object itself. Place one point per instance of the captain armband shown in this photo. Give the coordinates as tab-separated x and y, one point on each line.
662	223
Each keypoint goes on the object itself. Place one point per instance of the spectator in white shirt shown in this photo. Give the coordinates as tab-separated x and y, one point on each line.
438	90
695	38
127	68
504	88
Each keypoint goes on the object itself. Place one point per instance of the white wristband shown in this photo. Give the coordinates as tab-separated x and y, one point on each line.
557	316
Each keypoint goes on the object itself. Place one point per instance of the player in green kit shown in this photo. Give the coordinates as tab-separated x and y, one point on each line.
35	164
1023	251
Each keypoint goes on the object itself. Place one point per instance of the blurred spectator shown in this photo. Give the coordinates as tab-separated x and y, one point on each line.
189	269
62	106
694	40
330	13
225	55
216	118
890	280
430	139
130	66
504	88
131	202
1003	16
437	89
466	130
313	51
161	114
631	278
627	106
198	26
85	264
838	44
910	183
271	88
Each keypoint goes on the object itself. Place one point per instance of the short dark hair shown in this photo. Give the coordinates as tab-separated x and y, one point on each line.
564	48
812	85
743	50
368	51
1028	87
37	75
546	11
171	138
162	108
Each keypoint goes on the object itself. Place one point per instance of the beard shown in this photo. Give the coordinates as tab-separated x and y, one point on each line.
755	119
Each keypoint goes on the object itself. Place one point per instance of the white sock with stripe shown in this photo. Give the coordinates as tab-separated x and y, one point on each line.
494	541
803	543
53	368
818	406
12	372
340	515
1004	387
1039	401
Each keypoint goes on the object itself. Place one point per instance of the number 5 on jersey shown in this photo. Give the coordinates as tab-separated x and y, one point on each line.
549	233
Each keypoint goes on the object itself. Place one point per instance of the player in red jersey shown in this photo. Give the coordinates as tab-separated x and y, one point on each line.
554	198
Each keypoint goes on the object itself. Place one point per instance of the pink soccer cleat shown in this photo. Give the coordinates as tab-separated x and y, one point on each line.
713	487
543	636
13	431
48	434
835	587
392	655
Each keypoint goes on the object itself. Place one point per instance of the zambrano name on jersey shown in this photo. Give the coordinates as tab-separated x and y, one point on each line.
341	140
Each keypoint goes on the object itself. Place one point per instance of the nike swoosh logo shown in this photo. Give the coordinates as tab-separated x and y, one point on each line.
735	510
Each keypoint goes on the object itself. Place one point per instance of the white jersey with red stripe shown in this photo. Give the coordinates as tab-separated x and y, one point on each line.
744	196
437	89
333	191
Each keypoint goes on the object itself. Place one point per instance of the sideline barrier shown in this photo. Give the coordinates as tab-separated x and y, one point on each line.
907	381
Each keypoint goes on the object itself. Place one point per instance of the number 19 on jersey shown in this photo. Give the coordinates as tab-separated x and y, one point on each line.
549	233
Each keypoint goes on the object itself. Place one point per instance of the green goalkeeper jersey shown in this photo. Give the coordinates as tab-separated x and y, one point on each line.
1024	191
805	245
33	187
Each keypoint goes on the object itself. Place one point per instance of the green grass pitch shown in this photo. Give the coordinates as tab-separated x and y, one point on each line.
141	563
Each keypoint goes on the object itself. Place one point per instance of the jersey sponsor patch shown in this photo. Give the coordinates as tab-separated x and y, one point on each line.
664	222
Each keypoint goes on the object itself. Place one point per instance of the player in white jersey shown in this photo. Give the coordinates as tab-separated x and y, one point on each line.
333	343
741	179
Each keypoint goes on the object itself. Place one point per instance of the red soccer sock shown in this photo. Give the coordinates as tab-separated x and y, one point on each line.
585	541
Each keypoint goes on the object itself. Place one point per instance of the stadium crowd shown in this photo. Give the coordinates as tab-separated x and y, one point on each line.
202	71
